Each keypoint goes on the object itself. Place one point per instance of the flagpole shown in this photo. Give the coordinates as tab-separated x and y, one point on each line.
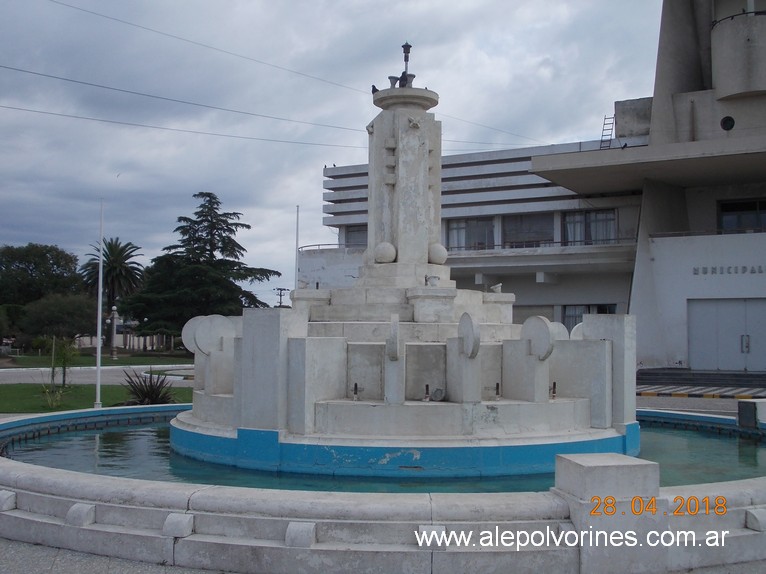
297	227
99	304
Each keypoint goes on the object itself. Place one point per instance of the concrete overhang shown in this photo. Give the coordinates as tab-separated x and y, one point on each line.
617	258
688	164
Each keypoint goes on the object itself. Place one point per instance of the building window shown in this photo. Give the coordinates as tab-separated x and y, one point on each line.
527	230
356	235
572	314
471	234
589	227
742	216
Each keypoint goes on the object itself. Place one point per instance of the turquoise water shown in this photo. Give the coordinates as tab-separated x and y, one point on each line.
144	452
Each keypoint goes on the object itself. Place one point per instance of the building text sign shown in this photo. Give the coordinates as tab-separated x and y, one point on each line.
729	270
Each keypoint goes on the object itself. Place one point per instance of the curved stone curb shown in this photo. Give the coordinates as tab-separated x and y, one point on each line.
257	530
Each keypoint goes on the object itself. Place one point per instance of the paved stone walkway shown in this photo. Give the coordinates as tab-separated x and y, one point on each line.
87	375
21	558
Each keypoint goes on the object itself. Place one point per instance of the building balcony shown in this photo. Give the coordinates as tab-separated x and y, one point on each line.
599	256
331	265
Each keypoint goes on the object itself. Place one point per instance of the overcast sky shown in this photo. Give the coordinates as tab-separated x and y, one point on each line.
274	91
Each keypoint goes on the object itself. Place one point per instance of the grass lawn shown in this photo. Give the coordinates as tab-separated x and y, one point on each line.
30	398
44	361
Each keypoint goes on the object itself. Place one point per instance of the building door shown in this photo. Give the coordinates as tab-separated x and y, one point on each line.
727	334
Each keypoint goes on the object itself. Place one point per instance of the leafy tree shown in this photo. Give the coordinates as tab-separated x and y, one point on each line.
201	274
122	274
33	271
63	316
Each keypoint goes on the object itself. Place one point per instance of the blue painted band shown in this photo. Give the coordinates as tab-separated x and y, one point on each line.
94	417
657	415
262	450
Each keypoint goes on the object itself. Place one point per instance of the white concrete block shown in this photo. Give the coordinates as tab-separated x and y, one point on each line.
464	375
432	304
7	500
81	514
583	369
606	474
348	297
261	390
602	490
377	295
365	370
752	412
621	330
301	534
525	376
425	364
491	358
316	371
437	530
178	525
755	519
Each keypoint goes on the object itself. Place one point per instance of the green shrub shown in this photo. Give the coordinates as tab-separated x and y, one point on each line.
148	389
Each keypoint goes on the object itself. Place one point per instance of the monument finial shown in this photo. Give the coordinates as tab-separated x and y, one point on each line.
406	48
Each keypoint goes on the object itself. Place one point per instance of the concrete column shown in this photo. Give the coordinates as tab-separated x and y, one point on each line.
621	330
404	175
394	367
262	388
463	369
316	372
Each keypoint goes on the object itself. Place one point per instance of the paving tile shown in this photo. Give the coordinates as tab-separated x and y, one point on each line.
22	558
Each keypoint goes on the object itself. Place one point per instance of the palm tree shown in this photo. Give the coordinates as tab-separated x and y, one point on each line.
122	275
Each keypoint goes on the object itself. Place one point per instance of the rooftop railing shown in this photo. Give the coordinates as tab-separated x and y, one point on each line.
715	23
532	244
319	246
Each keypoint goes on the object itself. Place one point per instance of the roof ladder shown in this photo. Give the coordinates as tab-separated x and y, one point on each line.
606	132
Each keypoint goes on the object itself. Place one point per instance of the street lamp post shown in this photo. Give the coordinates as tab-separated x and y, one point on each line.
113	350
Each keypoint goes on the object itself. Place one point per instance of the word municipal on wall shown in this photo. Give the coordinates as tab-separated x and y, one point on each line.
728	270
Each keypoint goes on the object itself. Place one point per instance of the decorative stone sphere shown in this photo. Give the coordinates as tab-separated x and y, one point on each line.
385	253
437	254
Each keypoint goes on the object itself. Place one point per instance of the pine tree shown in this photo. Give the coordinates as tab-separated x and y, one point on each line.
201	274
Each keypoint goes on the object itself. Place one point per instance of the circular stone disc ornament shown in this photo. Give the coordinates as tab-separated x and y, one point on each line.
188	333
537	330
469	334
576	334
210	330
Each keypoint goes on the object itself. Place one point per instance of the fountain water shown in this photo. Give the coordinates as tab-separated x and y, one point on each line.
336	384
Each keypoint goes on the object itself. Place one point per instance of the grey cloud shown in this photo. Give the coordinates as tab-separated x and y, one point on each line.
546	70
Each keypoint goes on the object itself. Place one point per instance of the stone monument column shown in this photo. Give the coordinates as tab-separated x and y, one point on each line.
404	196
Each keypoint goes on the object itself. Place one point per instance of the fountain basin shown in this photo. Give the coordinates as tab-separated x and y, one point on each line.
402	456
256	530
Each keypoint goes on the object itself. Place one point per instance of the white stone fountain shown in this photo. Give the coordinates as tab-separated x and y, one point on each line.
403	374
